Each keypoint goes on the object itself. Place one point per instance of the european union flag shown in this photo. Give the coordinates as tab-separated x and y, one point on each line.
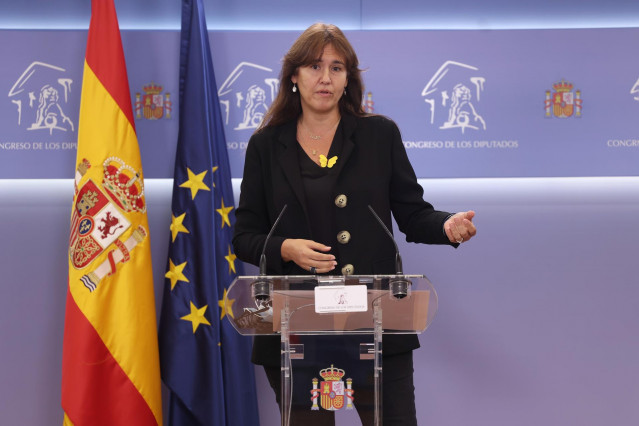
205	363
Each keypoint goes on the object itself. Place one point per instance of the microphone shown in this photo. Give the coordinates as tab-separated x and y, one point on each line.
399	286
261	288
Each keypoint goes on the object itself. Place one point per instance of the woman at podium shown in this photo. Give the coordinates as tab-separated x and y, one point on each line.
320	154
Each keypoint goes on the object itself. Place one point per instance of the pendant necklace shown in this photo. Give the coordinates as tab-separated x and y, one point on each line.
318	137
323	160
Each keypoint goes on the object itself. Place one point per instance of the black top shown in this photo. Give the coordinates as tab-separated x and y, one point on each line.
319	183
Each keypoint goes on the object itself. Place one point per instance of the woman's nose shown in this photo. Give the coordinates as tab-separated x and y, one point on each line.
326	76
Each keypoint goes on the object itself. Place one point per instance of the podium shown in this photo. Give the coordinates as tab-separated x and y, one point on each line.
349	316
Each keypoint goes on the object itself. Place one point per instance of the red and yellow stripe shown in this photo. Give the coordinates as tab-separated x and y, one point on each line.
110	371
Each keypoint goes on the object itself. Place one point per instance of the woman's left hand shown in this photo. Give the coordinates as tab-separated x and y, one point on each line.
459	228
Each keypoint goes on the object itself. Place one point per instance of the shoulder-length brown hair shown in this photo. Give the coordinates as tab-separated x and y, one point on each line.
306	50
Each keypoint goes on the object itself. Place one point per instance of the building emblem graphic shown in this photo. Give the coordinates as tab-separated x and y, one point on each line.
563	102
246	95
153	105
41	96
332	393
453	96
634	91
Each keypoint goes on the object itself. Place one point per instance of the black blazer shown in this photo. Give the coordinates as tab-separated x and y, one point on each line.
373	168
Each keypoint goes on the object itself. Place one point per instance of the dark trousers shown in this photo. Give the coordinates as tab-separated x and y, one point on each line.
398	403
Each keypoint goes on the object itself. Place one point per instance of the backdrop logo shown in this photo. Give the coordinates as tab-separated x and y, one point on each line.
369	105
453	95
40	96
634	91
564	102
153	105
246	95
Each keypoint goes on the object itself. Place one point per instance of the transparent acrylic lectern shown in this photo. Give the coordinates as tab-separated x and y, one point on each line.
330	329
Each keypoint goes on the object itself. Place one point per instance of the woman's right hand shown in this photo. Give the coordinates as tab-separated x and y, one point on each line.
308	254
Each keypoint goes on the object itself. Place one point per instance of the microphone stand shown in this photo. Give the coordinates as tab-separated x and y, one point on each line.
399	286
262	288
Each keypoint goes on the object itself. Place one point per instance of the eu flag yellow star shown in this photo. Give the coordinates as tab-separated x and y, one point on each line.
214	170
230	258
224	212
175	273
196	316
177	226
226	305
195	182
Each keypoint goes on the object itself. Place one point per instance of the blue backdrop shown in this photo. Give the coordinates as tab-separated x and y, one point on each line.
538	314
517	103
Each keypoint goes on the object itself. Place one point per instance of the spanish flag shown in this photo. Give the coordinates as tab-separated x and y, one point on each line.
110	363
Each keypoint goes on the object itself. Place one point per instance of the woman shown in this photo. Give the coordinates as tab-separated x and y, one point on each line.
320	154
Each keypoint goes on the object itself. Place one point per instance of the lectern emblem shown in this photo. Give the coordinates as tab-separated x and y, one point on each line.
331	392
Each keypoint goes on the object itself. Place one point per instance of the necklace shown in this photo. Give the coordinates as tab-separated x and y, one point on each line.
318	137
313	149
323	161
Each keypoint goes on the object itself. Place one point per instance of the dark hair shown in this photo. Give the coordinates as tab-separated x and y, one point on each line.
305	51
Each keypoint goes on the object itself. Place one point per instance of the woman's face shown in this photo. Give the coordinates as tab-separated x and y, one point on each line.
321	84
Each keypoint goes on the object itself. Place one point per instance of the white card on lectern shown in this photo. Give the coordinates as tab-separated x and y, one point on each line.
340	298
